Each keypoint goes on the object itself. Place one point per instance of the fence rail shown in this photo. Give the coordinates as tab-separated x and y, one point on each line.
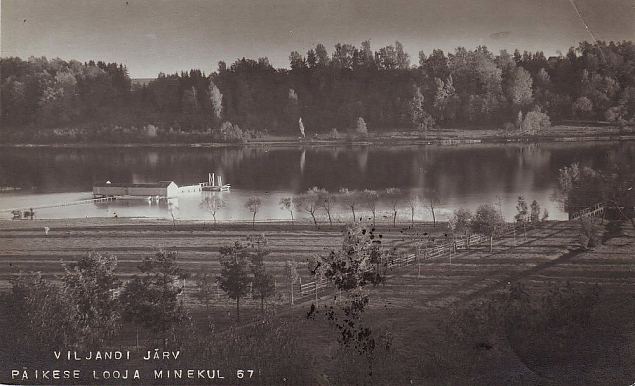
448	247
594	210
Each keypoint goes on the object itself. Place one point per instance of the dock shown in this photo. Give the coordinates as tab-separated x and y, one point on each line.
20	213
154	192
212	186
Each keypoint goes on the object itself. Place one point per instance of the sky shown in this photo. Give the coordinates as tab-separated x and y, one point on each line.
152	36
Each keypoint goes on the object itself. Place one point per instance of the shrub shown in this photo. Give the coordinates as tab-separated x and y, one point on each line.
589	235
582	107
535	121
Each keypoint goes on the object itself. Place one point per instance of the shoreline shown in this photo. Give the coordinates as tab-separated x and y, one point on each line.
444	137
203	224
330	143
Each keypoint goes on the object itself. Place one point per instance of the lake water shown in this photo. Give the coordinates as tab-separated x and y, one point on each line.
458	176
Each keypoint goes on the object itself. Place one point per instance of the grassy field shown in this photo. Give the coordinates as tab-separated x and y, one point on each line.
415	303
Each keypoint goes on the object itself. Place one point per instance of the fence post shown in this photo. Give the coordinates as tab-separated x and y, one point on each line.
291	293
416	254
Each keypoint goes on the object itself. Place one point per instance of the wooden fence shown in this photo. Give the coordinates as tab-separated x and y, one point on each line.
312	289
595	210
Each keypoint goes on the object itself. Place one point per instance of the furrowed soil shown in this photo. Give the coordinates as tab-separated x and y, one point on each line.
414	304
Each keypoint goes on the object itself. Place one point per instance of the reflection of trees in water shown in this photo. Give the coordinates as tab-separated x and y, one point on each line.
621	156
152	159
333	151
534	157
302	160
455	170
361	154
423	162
230	159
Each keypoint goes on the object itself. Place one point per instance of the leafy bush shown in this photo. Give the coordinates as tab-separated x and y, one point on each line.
535	121
589	235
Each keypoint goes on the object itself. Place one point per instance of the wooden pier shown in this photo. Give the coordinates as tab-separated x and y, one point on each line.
18	212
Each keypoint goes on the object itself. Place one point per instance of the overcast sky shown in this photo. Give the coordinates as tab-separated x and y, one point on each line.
152	36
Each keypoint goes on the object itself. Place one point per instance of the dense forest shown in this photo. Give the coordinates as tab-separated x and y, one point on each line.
468	88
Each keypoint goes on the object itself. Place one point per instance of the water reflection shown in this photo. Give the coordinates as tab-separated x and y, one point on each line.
455	176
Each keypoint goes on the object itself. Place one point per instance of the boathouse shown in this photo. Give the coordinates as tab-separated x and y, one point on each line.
163	189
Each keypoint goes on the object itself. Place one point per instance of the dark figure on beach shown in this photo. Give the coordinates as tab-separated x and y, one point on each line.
31	213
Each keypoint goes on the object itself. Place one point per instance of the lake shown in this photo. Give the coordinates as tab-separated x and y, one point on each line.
453	176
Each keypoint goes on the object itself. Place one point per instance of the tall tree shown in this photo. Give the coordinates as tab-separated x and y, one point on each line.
394	195
360	127
462	220
420	119
534	216
91	284
487	221
351	199
263	281
216	101
308	202
213	204
234	277
403	59
253	204
361	262
152	299
204	283
327	201
522	215
322	55
286	203
371	198
519	87
42	317
413	202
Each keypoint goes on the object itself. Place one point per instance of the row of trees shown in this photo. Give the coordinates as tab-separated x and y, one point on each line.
322	91
89	304
488	220
317	200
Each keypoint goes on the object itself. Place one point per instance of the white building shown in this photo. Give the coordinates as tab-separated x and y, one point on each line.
163	189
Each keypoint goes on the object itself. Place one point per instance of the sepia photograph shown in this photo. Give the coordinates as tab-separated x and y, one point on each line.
317	192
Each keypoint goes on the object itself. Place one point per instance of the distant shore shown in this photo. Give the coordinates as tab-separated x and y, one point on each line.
559	133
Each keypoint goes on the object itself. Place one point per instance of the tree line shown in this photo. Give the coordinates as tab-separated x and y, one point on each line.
351	87
317	202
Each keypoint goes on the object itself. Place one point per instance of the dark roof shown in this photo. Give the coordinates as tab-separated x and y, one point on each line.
160	184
